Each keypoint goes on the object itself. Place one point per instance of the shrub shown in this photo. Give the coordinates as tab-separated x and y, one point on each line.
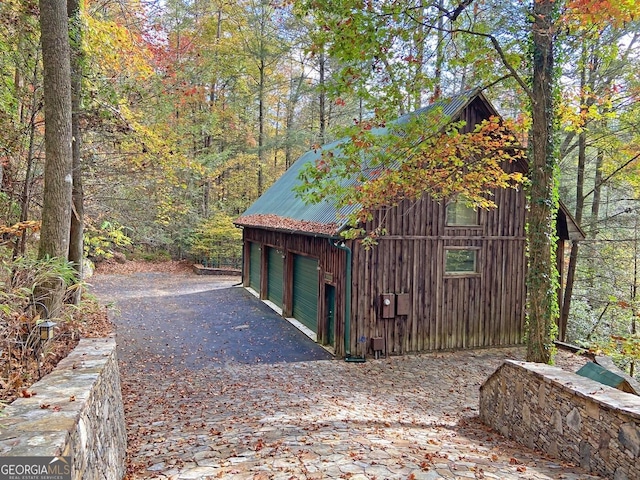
101	243
21	352
216	239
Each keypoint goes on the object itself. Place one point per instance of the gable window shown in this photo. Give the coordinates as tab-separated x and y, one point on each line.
460	214
461	261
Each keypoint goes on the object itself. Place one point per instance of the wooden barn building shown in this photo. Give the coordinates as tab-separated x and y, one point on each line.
443	277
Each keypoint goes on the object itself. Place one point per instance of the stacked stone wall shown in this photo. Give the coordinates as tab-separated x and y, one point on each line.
566	416
75	411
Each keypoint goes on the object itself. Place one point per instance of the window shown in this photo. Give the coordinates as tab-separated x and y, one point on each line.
460	214
461	261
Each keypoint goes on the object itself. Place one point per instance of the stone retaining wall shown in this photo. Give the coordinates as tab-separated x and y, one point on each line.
225	271
76	410
566	416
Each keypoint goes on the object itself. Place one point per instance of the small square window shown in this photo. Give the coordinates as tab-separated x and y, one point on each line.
460	214
461	261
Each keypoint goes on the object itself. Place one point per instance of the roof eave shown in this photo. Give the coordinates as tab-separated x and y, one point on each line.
581	235
290	231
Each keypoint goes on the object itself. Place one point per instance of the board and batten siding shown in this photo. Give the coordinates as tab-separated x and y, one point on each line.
447	311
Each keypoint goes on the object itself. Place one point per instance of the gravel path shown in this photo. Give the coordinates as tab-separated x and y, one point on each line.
211	415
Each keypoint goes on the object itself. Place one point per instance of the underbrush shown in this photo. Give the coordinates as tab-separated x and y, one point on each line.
24	356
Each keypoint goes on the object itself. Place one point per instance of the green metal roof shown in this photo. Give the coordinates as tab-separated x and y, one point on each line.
281	200
602	375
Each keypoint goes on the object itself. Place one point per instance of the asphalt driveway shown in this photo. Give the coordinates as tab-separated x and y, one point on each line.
198	321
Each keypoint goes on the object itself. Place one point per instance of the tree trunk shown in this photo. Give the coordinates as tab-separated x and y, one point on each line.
597	189
56	210
76	236
276	146
25	198
261	120
295	86
437	90
634	294
322	98
542	275
288	153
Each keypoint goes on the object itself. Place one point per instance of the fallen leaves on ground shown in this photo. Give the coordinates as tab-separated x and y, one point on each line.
27	366
111	267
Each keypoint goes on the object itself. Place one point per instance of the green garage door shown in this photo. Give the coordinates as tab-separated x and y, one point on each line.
254	266
275	266
305	291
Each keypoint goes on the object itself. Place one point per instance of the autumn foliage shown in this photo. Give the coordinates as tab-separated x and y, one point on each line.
416	159
454	163
603	12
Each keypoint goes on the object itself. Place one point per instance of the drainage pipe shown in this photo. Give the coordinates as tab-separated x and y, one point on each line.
347	306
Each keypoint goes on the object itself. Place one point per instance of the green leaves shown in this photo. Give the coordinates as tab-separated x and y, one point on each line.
623	349
216	238
102	242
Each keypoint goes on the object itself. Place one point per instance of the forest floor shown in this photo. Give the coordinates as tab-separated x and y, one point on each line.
22	363
201	404
113	267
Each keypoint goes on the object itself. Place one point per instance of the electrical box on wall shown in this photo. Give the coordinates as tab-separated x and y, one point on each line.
377	344
388	305
403	304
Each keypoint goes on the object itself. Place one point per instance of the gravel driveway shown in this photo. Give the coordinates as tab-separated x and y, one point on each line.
216	386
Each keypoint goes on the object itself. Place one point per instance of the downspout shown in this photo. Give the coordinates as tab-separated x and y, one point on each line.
347	307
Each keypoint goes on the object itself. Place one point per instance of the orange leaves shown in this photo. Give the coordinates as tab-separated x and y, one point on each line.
603	12
445	165
623	304
322	165
24	393
358	142
378	165
18	229
412	59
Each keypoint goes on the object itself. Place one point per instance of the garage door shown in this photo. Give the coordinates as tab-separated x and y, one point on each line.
275	266
254	266
305	291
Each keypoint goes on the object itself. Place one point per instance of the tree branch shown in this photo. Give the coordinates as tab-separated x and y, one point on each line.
495	82
502	55
459	9
616	171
